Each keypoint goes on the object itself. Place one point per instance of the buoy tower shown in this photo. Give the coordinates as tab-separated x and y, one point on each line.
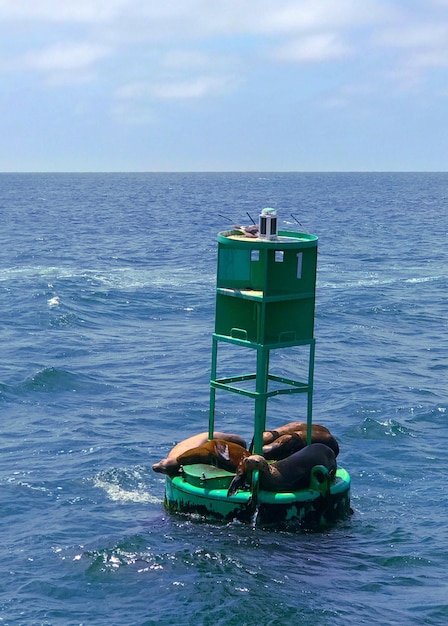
265	301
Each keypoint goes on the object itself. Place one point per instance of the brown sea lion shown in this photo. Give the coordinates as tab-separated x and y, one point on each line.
217	452
270	435
170	466
288	444
289	474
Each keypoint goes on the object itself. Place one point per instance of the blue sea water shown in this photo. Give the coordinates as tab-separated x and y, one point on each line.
107	286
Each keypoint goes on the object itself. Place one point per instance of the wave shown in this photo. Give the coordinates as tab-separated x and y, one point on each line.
125	485
117	278
374	281
377	429
50	380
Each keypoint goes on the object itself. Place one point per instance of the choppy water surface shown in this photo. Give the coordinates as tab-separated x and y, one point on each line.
107	298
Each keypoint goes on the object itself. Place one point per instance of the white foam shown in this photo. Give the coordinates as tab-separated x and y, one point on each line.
119	278
119	494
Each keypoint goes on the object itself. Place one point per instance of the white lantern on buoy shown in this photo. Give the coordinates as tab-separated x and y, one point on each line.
267	224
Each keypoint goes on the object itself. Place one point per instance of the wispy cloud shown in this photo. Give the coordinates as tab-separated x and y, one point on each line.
57	11
62	63
297	31
417	45
194	49
65	57
314	48
423	44
197	87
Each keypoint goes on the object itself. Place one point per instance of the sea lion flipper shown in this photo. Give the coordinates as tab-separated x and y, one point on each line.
236	484
222	450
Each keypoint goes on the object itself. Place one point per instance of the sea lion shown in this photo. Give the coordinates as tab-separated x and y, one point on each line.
271	435
289	474
217	452
293	442
170	466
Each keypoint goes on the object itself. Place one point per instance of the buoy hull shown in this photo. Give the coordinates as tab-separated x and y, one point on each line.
203	491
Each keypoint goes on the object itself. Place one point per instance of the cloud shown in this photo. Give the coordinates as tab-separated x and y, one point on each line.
304	16
417	46
187	20
347	95
186	59
57	11
422	44
197	87
65	57
193	49
314	29
312	49
62	63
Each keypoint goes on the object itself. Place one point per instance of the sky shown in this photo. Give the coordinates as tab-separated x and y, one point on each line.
223	85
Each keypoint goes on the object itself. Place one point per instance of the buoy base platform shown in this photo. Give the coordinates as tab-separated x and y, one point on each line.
202	490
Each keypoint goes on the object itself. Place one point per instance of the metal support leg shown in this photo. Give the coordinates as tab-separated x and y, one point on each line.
211	423
309	417
261	399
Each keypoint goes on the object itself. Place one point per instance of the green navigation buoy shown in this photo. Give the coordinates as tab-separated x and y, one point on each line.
265	301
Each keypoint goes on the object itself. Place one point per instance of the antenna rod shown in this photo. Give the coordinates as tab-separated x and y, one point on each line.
224	217
295	218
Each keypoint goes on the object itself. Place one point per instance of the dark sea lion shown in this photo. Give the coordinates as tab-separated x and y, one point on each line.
170	466
217	452
289	474
288	444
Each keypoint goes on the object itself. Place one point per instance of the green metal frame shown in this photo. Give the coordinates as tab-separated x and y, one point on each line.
261	394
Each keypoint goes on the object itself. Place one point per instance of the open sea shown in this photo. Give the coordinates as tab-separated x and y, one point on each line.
107	295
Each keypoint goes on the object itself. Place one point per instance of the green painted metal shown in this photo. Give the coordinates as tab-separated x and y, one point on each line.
203	491
265	300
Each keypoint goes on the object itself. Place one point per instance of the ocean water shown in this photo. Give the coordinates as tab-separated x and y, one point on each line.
107	286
